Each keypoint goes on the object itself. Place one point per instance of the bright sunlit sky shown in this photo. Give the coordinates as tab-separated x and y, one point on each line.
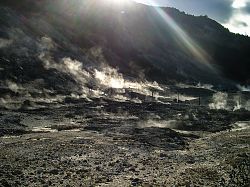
233	14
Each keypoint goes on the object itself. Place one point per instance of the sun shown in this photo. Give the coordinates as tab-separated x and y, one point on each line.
239	4
116	2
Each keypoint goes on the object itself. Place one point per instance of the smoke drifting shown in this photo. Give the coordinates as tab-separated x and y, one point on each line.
14	87
172	124
5	43
244	88
219	101
110	78
229	102
76	63
156	50
71	67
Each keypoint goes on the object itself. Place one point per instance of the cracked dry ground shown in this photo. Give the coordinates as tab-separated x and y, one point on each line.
125	155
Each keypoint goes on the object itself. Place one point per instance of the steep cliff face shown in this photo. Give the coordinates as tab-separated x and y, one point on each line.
61	44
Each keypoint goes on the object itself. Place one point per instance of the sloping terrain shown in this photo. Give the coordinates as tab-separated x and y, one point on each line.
163	45
95	93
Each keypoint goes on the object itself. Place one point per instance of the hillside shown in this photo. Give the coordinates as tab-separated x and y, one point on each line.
59	45
117	93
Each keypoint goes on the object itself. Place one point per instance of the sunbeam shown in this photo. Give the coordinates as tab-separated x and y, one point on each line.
115	2
187	42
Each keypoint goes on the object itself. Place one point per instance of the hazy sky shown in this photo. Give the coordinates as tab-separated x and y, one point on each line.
233	14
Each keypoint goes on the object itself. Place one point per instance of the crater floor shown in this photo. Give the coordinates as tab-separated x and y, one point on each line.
124	144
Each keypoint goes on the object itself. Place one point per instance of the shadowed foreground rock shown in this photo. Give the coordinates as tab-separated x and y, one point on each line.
83	145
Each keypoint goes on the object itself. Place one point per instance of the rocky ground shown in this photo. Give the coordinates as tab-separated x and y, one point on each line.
109	143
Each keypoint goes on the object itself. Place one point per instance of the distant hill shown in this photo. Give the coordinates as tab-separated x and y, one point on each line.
142	42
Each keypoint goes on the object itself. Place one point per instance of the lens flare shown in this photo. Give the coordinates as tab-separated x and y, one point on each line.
114	2
239	4
190	45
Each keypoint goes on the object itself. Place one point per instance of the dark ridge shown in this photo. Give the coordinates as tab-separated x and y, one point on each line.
138	41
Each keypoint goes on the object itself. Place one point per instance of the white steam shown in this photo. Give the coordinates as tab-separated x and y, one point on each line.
46	43
45	46
244	88
238	105
95	80
110	78
205	86
229	102
247	105
14	86
199	85
5	43
71	67
172	124
219	101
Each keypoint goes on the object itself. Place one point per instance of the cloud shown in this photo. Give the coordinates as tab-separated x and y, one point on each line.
247	8
219	10
239	4
237	26
233	14
239	22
